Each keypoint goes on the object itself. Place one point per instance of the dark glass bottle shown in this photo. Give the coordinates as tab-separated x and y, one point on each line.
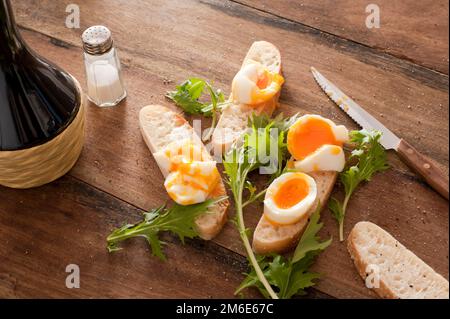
38	100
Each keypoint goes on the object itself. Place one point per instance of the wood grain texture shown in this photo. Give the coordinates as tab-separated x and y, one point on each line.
413	30
409	99
45	229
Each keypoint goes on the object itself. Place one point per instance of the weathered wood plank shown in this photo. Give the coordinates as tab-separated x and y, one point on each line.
413	30
116	160
45	229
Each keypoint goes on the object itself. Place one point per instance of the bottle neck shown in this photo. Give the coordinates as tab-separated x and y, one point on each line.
10	40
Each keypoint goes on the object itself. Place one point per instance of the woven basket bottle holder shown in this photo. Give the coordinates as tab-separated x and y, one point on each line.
47	162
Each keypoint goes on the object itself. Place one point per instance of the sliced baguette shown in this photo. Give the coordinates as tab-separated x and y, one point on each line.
161	126
234	119
271	238
401	273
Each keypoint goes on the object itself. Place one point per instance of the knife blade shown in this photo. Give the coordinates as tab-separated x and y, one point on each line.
364	119
424	166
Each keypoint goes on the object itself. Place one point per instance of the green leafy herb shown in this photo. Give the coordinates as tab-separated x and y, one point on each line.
370	158
290	277
188	96
179	220
280	122
263	147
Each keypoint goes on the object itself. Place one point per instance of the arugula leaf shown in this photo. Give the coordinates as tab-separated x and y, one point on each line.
291	276
217	99
217	103
301	279
262	144
279	273
310	242
178	219
337	211
280	122
371	158
188	95
252	280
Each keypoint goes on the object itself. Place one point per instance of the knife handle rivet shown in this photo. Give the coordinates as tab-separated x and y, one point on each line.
427	166
410	151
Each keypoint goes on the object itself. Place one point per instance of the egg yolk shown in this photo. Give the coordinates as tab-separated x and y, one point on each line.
268	85
190	152
336	150
189	180
197	178
192	179
263	81
291	192
306	137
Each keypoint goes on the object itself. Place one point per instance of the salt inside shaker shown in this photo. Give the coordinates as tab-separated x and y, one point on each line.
105	86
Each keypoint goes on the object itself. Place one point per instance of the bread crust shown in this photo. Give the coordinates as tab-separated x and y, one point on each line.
387	289
159	126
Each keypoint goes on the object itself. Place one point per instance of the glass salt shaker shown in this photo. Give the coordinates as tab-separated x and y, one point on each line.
105	86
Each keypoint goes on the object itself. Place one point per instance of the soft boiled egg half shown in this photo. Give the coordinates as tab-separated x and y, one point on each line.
189	178
254	84
289	198
192	182
316	144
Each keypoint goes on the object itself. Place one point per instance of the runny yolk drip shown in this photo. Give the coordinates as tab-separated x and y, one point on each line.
190	179
291	192
197	180
190	152
267	86
263	81
306	137
336	150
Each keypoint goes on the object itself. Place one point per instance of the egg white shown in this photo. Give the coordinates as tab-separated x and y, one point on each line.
194	182
169	154
244	83
326	158
298	211
182	186
244	87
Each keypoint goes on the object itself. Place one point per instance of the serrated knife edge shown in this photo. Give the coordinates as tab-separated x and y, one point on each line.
420	163
364	119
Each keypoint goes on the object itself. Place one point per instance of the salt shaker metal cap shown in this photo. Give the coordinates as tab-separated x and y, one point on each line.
97	40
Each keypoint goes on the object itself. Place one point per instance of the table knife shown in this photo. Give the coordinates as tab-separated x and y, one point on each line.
421	164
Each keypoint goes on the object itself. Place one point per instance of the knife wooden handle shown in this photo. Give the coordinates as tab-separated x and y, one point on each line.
434	176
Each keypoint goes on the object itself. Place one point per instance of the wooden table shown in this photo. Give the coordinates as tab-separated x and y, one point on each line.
399	72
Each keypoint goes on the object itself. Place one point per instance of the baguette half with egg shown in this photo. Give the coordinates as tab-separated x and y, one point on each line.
161	126
233	121
401	274
316	146
269	237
